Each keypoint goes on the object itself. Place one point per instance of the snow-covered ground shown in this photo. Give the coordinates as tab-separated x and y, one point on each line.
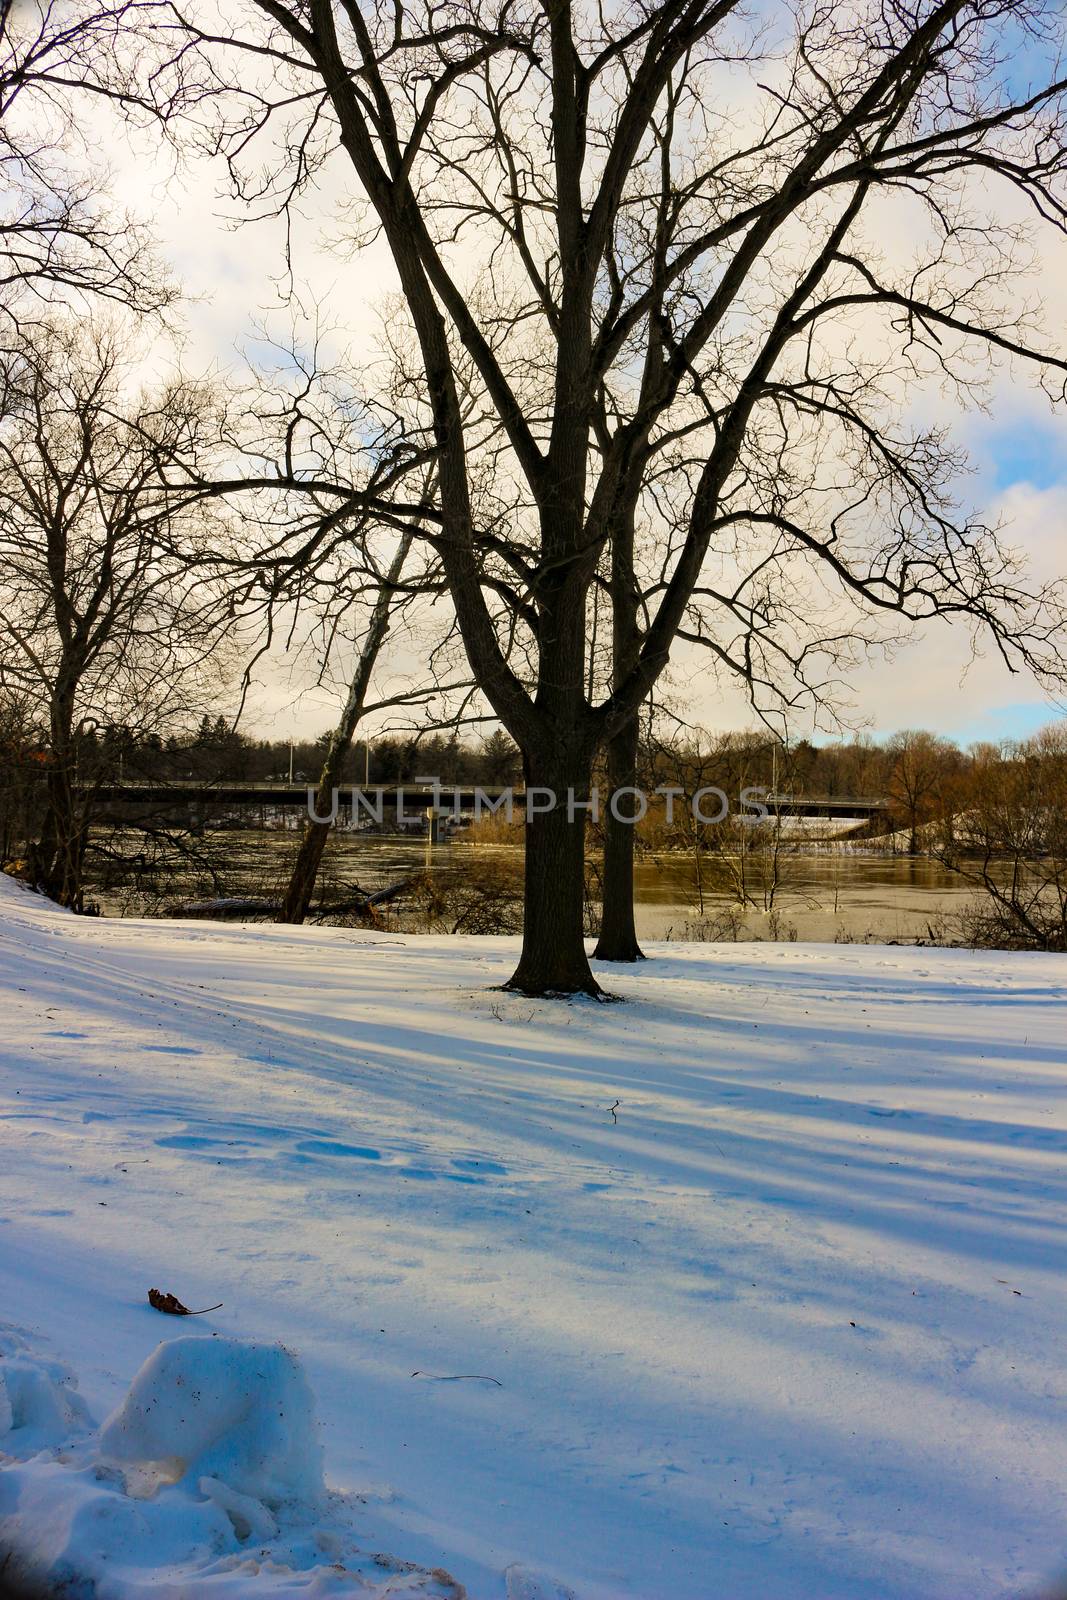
752	1288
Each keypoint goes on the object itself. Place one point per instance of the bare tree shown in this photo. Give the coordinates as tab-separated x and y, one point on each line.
99	622
667	214
301	884
60	234
920	774
22	752
1010	844
326	566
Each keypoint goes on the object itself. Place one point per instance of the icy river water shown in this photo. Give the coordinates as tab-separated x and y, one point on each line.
821	896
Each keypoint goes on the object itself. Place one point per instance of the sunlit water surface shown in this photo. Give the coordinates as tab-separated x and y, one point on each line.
821	896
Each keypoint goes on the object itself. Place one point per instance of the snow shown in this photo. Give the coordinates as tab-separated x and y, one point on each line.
751	1288
207	1479
39	1406
231	1410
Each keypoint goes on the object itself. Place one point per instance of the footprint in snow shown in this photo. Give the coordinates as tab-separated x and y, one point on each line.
331	1147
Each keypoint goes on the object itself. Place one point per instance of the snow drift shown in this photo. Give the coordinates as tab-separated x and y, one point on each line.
226	1409
207	1480
39	1403
762	1272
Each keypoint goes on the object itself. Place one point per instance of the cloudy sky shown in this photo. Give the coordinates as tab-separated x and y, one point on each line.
1018	449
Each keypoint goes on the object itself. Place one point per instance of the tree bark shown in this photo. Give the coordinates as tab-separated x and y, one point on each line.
60	847
305	871
58	854
64	882
553	959
618	933
301	886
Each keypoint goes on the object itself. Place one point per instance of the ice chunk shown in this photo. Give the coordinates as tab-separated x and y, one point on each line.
238	1412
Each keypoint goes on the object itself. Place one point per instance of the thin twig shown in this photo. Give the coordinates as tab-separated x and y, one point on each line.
457	1377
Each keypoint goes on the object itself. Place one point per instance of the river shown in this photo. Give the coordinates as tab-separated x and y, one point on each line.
843	895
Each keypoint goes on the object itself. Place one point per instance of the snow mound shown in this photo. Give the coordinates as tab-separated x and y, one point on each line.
237	1414
39	1402
205	1484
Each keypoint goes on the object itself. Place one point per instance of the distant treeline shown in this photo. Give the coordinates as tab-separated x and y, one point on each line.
996	815
907	767
922	774
219	753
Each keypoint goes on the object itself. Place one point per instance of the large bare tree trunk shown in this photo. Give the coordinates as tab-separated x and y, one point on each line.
60	846
558	758
553	959
618	933
62	841
305	871
302	879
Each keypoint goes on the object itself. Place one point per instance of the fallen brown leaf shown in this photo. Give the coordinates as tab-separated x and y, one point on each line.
173	1306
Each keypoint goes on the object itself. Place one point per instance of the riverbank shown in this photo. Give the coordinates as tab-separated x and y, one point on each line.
752	1286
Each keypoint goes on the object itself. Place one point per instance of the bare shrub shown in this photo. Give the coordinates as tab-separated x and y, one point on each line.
485	898
1011	846
725	926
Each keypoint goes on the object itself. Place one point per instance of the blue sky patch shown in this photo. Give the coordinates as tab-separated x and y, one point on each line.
1025	451
1017	720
